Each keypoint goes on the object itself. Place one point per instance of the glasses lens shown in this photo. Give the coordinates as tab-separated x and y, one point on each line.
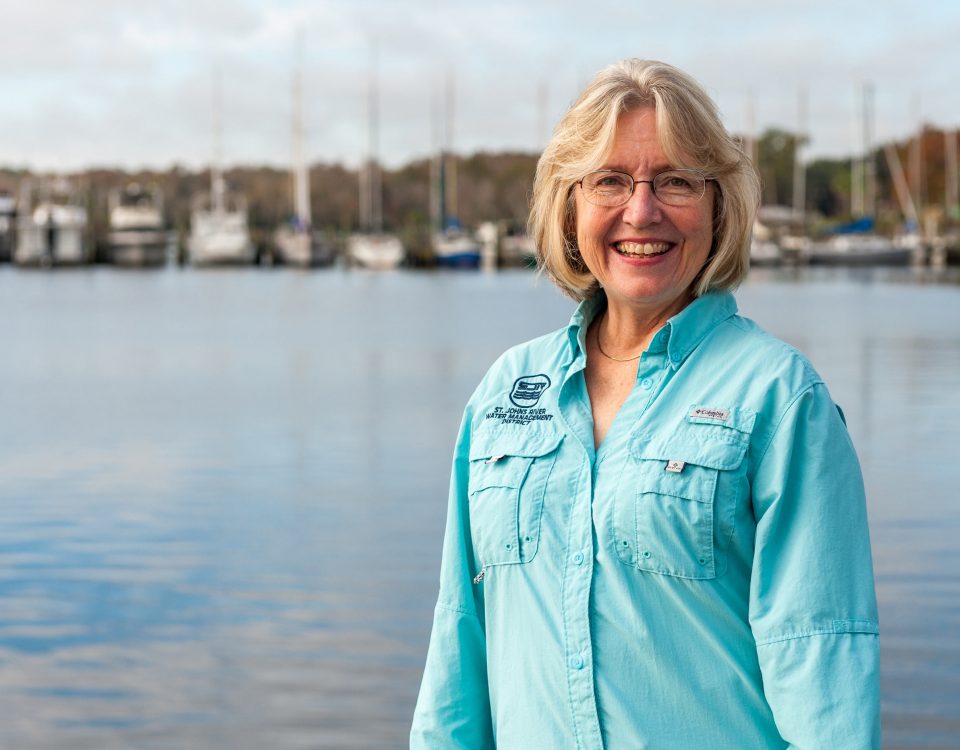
607	188
679	186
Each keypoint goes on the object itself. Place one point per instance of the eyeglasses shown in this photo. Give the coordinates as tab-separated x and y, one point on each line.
674	187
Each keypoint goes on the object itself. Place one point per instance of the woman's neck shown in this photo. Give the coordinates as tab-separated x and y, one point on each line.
626	330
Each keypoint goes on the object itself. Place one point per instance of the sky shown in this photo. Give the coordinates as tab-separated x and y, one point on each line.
111	83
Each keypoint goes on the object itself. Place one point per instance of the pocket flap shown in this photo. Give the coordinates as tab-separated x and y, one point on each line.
715	446
502	441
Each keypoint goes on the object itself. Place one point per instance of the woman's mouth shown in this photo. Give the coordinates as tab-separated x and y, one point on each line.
642	249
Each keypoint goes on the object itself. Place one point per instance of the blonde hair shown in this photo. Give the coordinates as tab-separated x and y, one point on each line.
691	135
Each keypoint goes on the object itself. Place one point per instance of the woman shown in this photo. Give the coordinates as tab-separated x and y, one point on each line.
657	533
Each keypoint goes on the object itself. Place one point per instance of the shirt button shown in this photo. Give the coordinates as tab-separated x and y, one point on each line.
576	662
646	383
578	558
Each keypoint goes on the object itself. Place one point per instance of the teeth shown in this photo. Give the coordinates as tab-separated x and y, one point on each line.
643	248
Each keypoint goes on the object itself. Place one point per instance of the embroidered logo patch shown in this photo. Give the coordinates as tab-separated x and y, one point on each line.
721	415
527	390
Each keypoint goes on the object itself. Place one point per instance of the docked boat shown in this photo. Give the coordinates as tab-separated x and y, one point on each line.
376	251
296	243
372	247
764	253
8	222
454	247
137	235
54	232
517	248
219	234
859	250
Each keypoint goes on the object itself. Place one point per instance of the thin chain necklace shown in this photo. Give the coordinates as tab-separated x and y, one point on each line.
615	359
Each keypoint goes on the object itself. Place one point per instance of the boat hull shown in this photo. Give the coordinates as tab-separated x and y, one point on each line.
376	252
49	245
464	259
138	247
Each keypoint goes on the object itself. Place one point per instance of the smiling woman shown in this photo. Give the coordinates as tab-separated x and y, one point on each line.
671	549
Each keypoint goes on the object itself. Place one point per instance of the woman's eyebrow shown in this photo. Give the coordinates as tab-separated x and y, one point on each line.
616	167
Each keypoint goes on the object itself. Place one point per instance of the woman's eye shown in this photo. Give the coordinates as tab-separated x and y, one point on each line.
676	182
611	181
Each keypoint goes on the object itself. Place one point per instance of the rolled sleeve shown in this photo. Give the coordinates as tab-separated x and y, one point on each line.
453	708
812	604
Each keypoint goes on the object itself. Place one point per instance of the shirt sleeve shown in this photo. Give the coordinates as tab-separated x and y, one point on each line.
453	708
812	604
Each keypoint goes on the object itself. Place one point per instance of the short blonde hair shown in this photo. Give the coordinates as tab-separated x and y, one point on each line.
691	135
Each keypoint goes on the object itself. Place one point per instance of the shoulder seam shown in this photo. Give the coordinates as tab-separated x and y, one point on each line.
783	413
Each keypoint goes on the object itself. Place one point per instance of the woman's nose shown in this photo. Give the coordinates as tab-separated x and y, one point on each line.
643	208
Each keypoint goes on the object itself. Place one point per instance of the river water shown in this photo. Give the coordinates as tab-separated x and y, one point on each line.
222	492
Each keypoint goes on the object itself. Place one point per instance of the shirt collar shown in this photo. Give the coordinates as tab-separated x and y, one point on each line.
579	323
680	336
691	325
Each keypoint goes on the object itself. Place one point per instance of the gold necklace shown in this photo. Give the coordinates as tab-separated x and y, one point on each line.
615	359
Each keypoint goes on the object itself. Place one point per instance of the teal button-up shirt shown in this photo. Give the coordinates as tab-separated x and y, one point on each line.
702	580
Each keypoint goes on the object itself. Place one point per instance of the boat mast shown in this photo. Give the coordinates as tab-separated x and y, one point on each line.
750	137
857	164
799	168
916	157
371	193
216	170
450	197
952	191
301	181
907	206
870	166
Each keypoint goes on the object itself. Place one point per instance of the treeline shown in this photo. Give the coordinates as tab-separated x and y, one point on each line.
829	192
490	187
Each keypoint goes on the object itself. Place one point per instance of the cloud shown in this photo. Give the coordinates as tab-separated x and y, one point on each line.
131	84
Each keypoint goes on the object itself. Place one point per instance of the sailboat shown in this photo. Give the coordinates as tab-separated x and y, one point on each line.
218	222
54	232
296	242
371	247
857	243
453	246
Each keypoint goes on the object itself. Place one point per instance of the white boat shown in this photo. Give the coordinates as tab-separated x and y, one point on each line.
218	222
763	250
54	232
137	235
865	249
764	253
218	230
371	247
517	248
380	252
296	243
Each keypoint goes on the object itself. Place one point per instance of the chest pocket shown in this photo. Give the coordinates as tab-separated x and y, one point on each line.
509	470
667	514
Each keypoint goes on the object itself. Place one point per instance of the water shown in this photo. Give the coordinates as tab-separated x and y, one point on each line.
222	492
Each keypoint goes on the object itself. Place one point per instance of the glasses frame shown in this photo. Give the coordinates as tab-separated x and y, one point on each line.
651	182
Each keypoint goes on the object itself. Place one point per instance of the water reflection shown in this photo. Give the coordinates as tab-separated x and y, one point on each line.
223	493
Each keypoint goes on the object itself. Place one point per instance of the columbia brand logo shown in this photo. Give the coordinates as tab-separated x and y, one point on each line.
704	413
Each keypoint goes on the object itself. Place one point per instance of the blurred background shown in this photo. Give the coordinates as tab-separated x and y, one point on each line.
254	257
